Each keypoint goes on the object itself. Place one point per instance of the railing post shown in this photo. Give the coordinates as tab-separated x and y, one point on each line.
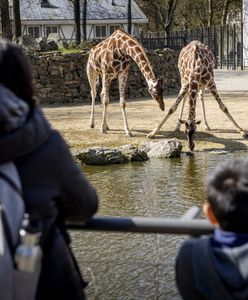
227	45
191	213
241	47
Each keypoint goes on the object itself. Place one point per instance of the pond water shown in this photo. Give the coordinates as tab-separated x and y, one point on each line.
127	266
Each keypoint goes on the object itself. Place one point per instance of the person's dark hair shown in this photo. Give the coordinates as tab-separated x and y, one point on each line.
227	192
15	71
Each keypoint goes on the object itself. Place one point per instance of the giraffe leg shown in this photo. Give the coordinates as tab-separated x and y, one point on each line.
105	102
122	78
213	90
178	126
202	93
172	109
93	78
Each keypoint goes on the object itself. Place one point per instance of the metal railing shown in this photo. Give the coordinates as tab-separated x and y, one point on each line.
187	224
226	43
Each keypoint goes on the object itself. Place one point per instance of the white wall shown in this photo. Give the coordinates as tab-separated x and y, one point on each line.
136	28
68	32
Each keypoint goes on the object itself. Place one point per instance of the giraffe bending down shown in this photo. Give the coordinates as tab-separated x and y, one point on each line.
196	63
111	59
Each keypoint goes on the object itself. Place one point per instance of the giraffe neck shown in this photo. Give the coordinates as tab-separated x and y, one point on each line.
133	49
143	63
192	104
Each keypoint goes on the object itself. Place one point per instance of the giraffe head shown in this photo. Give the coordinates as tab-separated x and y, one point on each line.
190	130
156	91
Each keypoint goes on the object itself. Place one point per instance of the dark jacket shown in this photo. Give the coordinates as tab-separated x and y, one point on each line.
55	190
214	273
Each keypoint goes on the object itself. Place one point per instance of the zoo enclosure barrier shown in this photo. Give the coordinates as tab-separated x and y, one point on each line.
187	224
226	42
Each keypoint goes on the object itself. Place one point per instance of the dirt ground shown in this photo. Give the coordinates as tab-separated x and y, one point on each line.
144	115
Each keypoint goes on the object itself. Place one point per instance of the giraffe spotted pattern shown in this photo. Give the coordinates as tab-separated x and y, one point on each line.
111	59
196	66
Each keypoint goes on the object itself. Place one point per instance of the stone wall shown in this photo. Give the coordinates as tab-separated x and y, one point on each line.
61	78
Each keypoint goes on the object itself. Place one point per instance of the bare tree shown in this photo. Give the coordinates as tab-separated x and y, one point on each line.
187	13
166	15
76	4
84	20
129	16
17	19
160	13
210	13
192	13
225	11
5	19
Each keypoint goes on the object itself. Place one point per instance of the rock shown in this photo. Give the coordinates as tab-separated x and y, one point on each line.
102	156
163	149
107	156
29	43
52	45
62	44
127	153
42	41
87	45
53	37
134	153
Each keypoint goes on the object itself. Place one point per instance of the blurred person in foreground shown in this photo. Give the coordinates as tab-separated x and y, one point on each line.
54	189
216	267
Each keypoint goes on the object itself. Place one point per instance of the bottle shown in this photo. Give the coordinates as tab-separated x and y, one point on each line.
28	254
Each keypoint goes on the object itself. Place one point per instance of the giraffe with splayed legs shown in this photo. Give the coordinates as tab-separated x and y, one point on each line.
196	63
111	59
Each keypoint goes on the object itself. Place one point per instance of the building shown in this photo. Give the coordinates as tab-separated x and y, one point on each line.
41	17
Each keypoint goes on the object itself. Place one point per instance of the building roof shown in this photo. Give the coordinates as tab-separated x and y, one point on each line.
97	10
113	9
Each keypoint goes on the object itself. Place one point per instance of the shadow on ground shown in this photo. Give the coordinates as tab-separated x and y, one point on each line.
204	137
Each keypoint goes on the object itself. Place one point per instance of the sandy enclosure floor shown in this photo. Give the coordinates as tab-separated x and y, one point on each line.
144	115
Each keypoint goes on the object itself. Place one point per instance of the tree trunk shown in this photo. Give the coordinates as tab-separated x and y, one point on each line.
224	12
210	13
129	16
17	19
172	4
77	21
5	20
85	20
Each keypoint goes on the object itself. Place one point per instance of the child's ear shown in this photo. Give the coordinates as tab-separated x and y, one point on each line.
210	214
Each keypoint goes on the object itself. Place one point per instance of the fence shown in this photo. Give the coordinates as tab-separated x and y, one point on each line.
226	42
188	224
114	273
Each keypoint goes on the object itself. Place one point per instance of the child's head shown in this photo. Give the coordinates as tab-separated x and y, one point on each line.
15	72
227	192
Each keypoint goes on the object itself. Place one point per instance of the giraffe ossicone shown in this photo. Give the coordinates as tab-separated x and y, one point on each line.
196	66
110	59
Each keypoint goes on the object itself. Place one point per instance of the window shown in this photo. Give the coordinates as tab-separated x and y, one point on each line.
112	28
51	29
34	31
101	31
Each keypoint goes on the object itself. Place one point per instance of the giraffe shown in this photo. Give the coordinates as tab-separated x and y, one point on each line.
110	59
196	63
